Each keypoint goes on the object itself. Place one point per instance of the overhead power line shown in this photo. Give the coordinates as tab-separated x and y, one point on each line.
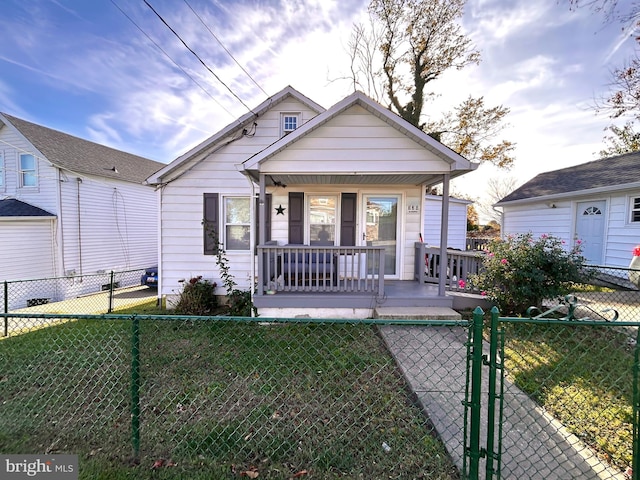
225	48
197	56
172	60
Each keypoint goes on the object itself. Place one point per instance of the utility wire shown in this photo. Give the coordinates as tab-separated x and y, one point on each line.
172	60
225	48
197	56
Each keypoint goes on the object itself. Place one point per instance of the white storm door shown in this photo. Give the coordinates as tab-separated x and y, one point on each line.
590	229
381	224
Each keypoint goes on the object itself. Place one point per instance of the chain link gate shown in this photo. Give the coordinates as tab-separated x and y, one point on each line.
513	428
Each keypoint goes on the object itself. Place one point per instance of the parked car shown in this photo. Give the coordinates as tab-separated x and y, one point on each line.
150	277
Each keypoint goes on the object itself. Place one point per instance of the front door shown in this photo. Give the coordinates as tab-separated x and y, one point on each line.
590	229
381	228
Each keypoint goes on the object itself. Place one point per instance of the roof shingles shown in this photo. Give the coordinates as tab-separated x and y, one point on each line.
82	156
606	172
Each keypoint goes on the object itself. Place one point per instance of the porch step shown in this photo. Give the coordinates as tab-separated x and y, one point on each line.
416	313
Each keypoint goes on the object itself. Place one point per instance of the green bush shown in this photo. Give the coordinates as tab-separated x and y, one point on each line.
521	271
197	298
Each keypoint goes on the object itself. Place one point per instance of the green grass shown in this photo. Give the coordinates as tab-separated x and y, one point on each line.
216	398
583	376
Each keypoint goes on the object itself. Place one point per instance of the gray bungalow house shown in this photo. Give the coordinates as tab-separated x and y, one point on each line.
596	202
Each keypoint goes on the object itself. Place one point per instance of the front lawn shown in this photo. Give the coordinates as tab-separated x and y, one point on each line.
218	400
583	376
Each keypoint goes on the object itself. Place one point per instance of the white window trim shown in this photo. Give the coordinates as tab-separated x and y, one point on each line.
3	168
21	171
284	115
630	203
224	223
307	220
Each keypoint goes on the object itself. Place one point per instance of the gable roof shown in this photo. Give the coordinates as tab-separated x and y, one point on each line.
10	207
458	164
614	173
82	156
199	152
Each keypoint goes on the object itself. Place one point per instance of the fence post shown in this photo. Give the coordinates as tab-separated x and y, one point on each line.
6	308
110	309
475	452
492	456
135	386
635	462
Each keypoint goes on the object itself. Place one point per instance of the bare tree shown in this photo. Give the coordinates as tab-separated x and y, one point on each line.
496	189
411	44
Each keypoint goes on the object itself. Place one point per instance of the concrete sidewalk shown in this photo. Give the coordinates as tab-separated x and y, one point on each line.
534	445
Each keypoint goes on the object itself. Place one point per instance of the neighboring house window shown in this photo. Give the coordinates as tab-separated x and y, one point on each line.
237	223
289	122
322	219
1	171
635	209
28	176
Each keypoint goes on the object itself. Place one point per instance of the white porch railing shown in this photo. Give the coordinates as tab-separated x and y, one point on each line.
459	266
295	268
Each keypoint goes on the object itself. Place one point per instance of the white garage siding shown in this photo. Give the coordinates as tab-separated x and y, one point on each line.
457	235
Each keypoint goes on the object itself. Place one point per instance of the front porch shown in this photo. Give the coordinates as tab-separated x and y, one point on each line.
296	277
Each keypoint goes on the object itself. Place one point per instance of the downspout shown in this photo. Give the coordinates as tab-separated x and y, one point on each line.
444	234
159	237
59	233
79	180
252	232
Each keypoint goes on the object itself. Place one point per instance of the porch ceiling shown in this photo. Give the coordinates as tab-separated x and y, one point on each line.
429	179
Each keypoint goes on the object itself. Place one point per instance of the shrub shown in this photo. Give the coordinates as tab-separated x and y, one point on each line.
197	298
521	271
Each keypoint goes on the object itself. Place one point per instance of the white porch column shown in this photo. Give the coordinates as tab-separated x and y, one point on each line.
444	234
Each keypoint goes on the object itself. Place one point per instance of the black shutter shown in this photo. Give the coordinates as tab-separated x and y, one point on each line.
296	218
267	221
348	219
211	223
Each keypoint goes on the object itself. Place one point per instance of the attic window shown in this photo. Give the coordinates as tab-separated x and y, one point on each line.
290	122
28	176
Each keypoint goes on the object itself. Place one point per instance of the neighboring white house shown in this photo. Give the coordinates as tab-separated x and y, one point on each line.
597	203
70	207
334	191
457	221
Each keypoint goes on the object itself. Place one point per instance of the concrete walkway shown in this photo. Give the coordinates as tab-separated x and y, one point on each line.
534	445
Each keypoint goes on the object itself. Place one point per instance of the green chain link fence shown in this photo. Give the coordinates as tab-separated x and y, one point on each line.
194	397
226	398
96	293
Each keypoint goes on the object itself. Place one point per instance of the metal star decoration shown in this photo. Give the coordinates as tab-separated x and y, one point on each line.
280	210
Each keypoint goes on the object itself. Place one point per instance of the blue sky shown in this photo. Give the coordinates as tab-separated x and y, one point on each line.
84	68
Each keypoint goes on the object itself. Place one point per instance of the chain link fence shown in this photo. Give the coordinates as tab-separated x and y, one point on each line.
610	292
221	397
94	294
230	398
567	391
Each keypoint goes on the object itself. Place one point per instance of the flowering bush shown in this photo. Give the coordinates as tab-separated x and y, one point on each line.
521	271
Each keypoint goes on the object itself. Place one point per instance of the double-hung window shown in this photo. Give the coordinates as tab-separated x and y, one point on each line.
322	219
1	171
28	177
237	223
635	210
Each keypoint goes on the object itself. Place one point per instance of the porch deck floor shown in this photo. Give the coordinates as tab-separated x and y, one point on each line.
397	293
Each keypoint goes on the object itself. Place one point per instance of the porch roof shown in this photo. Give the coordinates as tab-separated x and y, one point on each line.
426	168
